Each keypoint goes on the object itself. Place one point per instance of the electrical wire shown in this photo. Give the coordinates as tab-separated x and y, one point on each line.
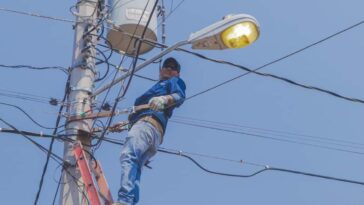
121	59
171	12
255	71
36	68
292	82
26	114
104	61
136	75
66	92
53	155
226	125
174	9
270	137
266	167
30	97
23	98
57	189
61	137
278	60
37	15
124	90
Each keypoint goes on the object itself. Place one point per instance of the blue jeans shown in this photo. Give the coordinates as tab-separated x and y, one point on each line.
141	144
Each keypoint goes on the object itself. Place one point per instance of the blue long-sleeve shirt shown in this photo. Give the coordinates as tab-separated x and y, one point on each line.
174	86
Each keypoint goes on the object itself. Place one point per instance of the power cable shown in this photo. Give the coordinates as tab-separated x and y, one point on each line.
30	97
275	61
266	168
272	132
136	75
270	137
171	11
35	134
175	8
23	98
57	189
25	113
121	95
53	155
36	68
52	141
37	15
107	93
255	71
63	163
292	82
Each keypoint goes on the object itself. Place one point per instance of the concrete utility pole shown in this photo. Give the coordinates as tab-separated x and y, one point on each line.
79	97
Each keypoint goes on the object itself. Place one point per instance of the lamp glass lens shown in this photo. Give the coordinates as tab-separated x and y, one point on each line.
240	35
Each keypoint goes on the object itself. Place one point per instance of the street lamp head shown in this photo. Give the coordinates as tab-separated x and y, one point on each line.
233	31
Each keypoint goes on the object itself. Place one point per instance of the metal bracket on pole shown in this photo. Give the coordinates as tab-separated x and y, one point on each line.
88	90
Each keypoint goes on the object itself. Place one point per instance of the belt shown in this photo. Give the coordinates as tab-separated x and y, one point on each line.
155	123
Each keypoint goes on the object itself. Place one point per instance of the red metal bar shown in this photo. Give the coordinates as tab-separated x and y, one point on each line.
86	174
102	183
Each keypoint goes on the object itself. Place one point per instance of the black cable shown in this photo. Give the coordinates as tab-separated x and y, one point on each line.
267	168
145	78
36	68
268	64
52	141
25	113
132	71
172	10
34	134
107	65
53	156
108	46
275	61
136	75
334	141
135	61
57	189
29	97
24	98
107	93
271	138
27	133
332	93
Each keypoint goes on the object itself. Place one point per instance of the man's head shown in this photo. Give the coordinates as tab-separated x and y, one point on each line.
170	68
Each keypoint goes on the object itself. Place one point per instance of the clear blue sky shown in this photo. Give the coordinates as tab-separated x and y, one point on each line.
252	101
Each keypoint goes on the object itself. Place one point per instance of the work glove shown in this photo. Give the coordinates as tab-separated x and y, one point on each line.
158	103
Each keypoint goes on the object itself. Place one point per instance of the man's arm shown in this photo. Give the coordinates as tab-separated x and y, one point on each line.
176	97
162	102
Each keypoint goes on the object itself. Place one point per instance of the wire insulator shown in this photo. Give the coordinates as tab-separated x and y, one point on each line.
53	101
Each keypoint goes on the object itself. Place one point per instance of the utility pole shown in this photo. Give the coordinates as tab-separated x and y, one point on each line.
79	97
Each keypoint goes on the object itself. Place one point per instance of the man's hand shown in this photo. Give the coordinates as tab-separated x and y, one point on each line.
158	103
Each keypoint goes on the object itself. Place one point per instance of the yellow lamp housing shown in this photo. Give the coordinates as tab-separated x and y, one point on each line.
234	31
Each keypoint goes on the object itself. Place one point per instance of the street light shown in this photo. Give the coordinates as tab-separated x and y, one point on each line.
233	31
